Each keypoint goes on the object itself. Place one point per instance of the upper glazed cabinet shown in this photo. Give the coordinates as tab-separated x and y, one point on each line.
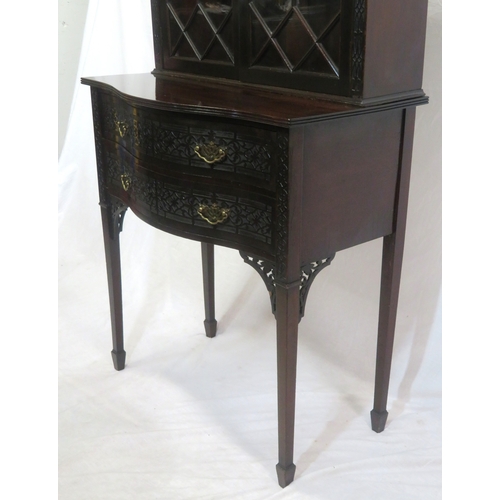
365	51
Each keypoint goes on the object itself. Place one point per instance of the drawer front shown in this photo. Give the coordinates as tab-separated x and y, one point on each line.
194	145
173	203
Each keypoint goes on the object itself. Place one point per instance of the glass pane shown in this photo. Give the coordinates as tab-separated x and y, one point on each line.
217	11
175	31
271	58
295	40
185	49
307	34
182	8
259	39
272	12
200	32
317	63
217	53
194	26
318	13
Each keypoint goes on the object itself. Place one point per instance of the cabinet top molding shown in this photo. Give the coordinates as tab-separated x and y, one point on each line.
271	106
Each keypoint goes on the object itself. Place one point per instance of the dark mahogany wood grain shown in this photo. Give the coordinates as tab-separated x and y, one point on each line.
217	98
287	323
392	261
395	43
113	266
288	310
312	104
360	50
207	261
348	190
311	164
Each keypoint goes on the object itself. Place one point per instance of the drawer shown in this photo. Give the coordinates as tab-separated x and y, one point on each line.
222	149
173	203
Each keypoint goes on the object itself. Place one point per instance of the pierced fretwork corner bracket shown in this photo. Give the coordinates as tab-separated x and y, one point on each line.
266	270
116	212
307	275
267	273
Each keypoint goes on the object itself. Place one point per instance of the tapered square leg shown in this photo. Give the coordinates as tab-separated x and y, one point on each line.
285	476
378	420
287	322
391	272
112	218
207	261
118	359
392	261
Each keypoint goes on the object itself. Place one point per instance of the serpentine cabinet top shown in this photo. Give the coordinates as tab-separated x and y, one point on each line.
268	105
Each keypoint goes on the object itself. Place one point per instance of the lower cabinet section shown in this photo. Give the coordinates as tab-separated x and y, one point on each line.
197	206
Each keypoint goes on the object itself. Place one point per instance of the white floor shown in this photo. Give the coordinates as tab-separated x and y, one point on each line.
195	418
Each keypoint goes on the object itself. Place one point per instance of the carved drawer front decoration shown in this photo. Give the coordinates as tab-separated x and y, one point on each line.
195	206
237	215
240	150
210	153
126	181
213	214
117	121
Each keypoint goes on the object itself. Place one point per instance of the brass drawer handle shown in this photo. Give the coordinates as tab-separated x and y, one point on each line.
121	127
213	214
210	153
126	181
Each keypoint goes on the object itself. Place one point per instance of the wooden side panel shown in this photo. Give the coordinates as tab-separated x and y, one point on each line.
395	41
349	184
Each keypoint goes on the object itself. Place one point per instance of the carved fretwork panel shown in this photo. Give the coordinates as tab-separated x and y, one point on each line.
246	217
96	112
248	151
282	205
267	272
146	155
115	208
168	199
358	46
118	210
308	273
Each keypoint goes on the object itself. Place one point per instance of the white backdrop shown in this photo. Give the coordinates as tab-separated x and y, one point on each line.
195	418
